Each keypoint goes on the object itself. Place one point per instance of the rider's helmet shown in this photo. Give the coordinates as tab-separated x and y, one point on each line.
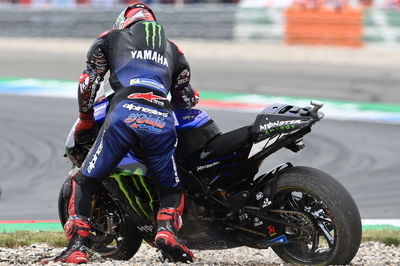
134	13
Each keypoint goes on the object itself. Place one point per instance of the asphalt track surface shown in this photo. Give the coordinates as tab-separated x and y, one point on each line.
362	156
347	82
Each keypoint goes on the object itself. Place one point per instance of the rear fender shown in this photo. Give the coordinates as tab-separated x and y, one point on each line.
266	183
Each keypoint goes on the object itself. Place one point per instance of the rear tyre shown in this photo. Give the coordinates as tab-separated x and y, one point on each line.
332	216
113	234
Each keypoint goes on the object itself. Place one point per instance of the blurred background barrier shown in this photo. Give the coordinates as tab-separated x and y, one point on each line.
335	22
341	27
382	26
318	22
202	21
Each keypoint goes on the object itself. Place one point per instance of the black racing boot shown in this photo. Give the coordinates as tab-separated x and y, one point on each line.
77	231
169	222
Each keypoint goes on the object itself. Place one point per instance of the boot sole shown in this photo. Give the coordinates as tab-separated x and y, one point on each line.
174	253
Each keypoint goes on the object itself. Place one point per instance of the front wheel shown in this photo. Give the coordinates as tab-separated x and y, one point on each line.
324	209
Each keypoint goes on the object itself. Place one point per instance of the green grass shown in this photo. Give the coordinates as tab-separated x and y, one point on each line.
57	239
27	238
387	237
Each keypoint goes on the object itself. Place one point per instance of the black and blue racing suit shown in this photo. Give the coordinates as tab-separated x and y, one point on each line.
144	67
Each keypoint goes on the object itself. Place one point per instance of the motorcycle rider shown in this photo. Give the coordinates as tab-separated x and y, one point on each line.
144	66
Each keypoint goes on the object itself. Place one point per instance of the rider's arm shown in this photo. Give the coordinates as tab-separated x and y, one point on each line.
92	76
89	83
182	93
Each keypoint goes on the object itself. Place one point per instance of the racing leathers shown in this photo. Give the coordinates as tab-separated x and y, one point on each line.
144	66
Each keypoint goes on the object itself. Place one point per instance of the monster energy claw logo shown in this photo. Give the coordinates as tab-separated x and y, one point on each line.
152	29
139	185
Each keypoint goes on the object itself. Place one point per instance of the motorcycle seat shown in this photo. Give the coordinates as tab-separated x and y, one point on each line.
227	142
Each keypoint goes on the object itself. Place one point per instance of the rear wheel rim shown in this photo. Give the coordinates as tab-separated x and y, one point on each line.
315	247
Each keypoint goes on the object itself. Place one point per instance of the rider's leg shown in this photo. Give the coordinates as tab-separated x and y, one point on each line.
111	145
77	228
161	164
169	219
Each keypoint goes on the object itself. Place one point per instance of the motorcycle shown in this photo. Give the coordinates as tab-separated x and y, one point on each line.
302	213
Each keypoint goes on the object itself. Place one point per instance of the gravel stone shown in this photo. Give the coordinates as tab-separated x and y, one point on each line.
370	253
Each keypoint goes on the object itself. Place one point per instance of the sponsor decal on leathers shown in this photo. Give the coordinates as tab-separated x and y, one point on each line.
183	77
92	163
132	107
147	122
84	80
154	29
147	83
149	96
150	55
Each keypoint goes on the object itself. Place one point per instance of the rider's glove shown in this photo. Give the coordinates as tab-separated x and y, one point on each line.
187	97
85	129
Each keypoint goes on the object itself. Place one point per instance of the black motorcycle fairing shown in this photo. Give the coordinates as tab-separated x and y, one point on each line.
195	185
222	161
232	158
